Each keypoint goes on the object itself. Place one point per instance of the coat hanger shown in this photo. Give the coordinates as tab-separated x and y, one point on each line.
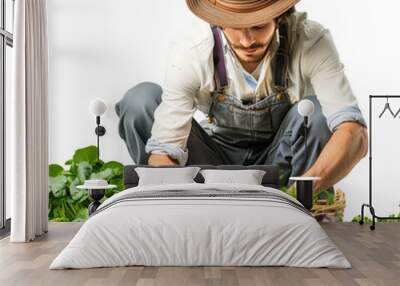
397	113
387	107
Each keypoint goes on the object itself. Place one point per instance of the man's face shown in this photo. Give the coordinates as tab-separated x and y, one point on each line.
250	44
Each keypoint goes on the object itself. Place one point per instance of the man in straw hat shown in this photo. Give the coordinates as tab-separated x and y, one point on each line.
246	64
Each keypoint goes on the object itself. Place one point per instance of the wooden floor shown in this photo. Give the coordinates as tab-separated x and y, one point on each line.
375	257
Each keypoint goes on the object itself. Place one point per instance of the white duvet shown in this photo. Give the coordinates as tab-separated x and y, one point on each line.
202	231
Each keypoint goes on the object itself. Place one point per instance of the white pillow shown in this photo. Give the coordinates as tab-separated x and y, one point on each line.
248	177
165	176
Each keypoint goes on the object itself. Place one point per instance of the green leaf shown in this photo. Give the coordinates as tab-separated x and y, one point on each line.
87	154
84	200
68	173
117	167
291	190
55	170
82	215
97	166
358	218
73	170
57	186
330	197
119	182
69	162
58	212
84	170
319	195
70	210
105	174
76	194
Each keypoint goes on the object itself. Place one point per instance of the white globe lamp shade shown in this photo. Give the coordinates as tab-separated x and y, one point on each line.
305	108
97	107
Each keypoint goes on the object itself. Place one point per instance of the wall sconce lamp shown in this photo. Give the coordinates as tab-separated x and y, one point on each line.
306	109
304	185
97	107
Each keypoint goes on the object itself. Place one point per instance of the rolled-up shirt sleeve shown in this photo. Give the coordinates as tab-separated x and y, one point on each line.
173	117
325	71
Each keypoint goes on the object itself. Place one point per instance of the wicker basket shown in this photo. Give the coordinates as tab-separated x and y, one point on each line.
332	213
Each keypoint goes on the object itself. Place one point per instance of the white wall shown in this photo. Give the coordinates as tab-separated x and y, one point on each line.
101	48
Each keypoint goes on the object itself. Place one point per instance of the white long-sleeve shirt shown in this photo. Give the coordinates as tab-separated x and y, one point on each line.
314	69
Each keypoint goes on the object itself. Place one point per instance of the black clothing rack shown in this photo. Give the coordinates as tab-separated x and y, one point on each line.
369	205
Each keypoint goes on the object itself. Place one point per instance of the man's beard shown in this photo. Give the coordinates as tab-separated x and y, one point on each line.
251	58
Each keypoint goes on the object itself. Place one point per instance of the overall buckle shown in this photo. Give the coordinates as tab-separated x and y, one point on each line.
280	90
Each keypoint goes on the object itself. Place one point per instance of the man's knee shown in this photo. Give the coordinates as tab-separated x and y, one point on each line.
143	97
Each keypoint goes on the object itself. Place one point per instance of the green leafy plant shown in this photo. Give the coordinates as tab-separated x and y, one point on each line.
68	203
369	220
330	197
291	190
323	201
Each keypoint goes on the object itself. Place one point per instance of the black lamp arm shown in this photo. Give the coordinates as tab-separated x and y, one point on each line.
100	131
305	135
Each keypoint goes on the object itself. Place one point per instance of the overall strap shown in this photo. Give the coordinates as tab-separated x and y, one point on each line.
220	74
282	59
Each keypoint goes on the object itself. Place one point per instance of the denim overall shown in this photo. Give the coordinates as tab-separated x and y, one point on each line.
239	125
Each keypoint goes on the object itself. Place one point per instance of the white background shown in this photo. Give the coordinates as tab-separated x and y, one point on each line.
101	48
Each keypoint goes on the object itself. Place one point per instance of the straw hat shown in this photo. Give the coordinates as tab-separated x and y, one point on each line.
239	13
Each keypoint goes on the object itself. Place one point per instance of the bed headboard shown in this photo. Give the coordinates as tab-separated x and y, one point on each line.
270	179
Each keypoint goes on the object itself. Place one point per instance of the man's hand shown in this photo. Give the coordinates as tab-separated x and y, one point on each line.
161	160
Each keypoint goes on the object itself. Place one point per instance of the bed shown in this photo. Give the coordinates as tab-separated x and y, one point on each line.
199	224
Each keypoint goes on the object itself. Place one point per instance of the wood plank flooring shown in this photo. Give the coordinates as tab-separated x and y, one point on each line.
375	257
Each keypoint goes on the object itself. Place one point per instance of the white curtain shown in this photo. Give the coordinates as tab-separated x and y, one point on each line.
29	123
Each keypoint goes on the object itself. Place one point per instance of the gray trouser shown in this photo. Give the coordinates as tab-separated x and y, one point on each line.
286	151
